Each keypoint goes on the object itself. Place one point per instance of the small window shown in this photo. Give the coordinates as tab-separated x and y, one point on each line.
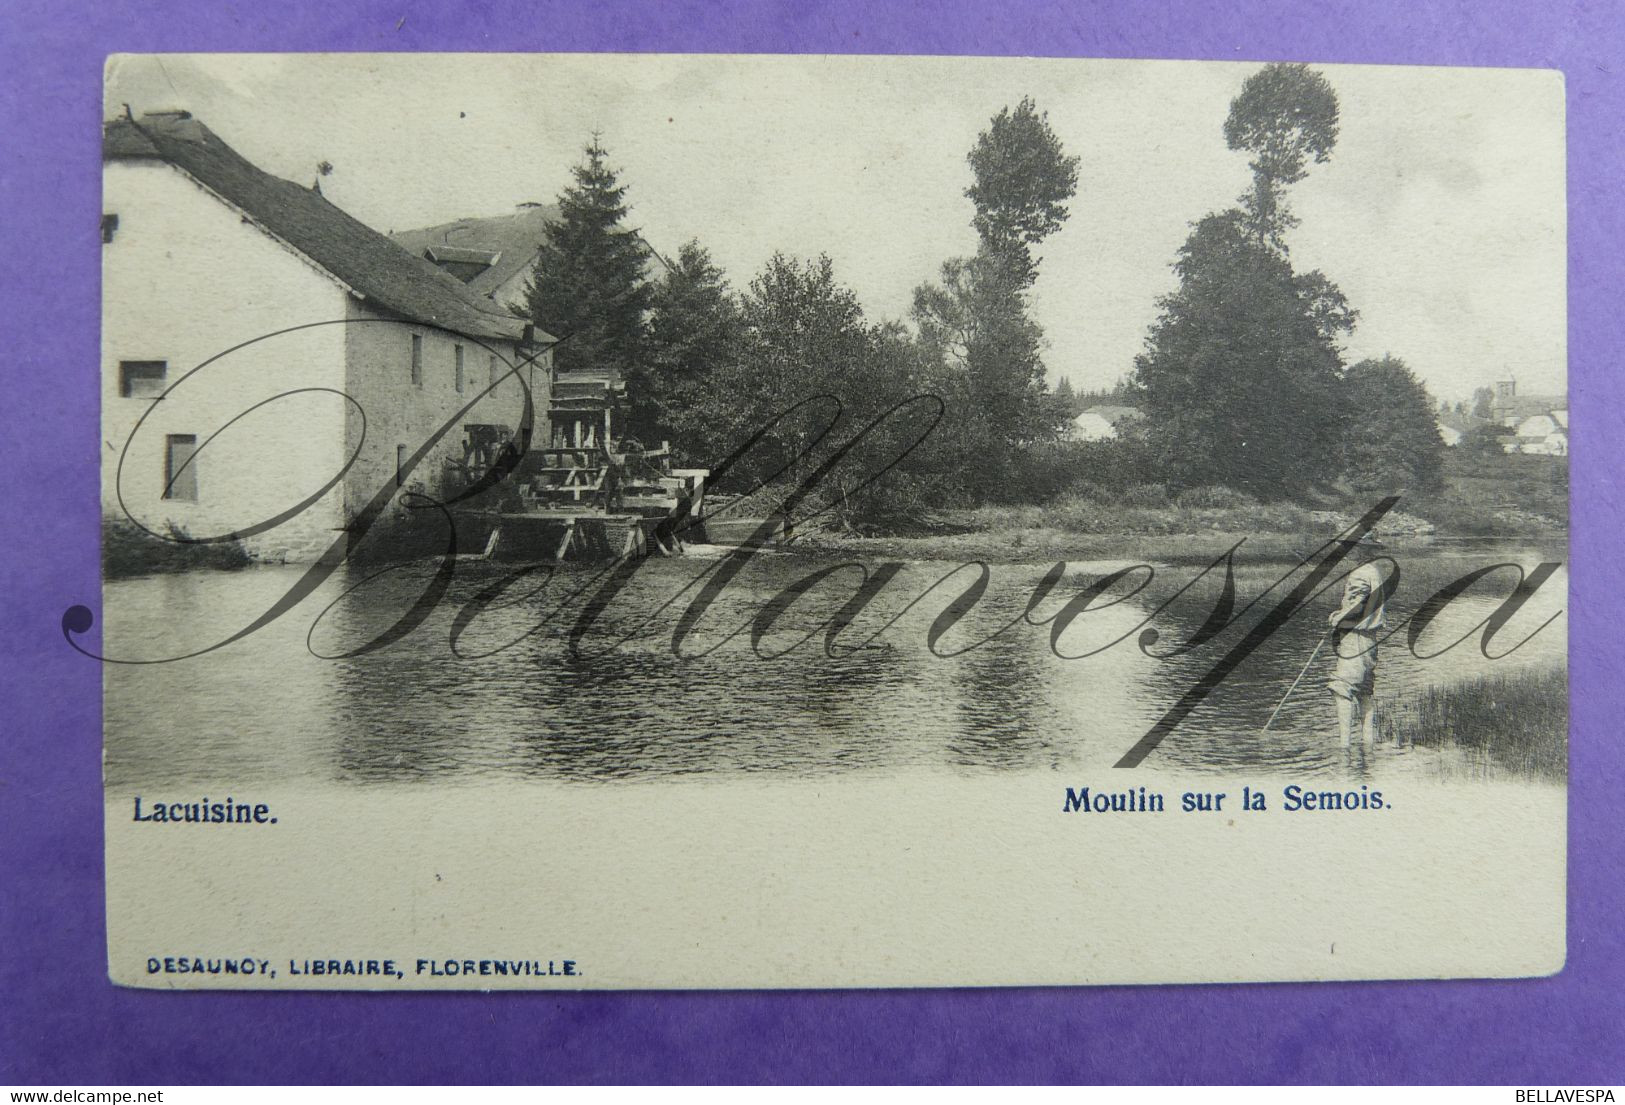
496	369
142	379
400	465
180	467
458	354
109	228
417	359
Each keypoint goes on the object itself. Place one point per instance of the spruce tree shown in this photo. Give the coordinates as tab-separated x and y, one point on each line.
588	287
696	333
975	323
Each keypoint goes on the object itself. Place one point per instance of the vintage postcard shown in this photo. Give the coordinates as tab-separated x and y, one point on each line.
720	521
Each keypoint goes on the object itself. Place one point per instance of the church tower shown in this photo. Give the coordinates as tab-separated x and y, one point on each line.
1505	408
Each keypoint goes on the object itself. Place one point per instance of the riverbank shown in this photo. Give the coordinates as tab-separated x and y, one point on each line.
1498	497
1035	544
1519	721
1084	529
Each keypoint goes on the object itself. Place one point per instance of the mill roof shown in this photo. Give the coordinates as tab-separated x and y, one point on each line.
375	268
508	245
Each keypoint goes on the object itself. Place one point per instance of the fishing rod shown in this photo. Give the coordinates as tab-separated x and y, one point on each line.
1298	680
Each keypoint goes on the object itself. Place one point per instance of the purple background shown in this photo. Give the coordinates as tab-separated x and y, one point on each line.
60	1020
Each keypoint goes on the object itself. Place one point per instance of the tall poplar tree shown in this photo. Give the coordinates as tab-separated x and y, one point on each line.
1285	117
976	321
1023	180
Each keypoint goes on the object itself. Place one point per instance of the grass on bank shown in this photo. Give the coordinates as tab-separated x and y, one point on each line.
1521	720
1148	509
1142	521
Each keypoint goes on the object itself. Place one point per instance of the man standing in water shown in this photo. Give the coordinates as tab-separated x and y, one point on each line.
1354	628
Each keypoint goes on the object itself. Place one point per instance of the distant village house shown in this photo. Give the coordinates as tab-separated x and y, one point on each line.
1452	428
1102	423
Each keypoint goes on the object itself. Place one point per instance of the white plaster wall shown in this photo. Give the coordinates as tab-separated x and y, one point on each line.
1537	425
185	279
400	413
1092	427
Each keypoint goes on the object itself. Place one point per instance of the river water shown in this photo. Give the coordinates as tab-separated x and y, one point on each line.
513	701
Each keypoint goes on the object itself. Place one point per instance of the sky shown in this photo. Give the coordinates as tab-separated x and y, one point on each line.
1440	213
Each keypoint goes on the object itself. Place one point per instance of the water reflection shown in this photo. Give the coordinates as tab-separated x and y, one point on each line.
517	703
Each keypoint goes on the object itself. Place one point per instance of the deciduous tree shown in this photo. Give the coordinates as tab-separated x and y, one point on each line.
801	334
1241	377
1023	181
1391	439
975	323
1285	117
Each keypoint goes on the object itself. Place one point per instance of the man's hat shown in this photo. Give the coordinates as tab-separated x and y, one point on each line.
1366	542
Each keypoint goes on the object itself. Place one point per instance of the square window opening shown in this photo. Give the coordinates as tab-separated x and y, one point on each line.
142	379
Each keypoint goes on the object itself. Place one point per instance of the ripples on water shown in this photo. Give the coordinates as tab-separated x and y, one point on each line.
517	704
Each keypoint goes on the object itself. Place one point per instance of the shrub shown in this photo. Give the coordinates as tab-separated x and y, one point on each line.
1098	470
1214	498
128	550
1145	495
1488	439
